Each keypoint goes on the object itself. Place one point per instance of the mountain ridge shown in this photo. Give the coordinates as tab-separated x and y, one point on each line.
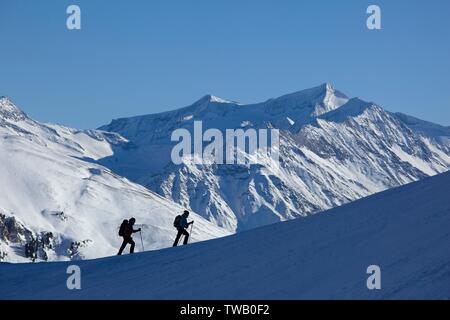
323	90
355	149
355	146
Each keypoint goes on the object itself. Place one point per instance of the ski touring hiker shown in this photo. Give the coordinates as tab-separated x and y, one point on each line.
126	231
181	224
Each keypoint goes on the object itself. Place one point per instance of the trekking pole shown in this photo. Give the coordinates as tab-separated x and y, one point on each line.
142	242
192	225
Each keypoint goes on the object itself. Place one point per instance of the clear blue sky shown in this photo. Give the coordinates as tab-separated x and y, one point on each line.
138	57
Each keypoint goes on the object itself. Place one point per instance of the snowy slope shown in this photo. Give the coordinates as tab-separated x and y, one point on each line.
405	231
429	129
54	200
333	150
89	144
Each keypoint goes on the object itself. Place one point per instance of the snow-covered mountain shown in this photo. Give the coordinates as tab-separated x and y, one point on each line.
441	133
57	204
333	150
405	231
63	192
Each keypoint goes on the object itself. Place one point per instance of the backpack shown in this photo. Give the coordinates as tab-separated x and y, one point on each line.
122	228
176	222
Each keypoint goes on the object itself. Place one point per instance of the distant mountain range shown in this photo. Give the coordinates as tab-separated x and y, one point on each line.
333	150
64	192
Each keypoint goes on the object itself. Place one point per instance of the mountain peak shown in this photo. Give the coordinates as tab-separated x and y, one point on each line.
353	108
209	98
321	99
8	110
5	102
329	89
322	89
327	86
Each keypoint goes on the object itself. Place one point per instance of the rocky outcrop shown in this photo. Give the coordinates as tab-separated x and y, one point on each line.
73	252
36	246
13	231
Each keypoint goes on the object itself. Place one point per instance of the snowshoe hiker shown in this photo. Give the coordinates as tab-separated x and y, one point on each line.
126	231
181	224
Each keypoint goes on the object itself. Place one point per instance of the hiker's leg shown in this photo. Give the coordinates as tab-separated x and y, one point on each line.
186	237
179	233
124	244
131	241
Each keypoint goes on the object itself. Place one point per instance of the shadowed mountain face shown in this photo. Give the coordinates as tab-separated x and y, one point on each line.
404	231
333	150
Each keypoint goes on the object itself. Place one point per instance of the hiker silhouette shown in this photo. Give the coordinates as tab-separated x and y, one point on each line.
126	231
181	224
